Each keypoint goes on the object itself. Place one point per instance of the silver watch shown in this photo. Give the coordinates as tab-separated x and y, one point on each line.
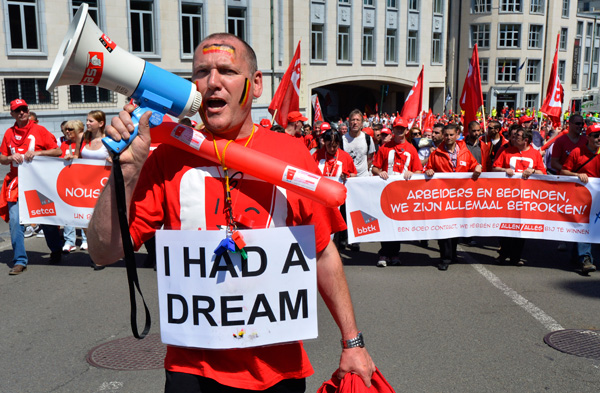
357	341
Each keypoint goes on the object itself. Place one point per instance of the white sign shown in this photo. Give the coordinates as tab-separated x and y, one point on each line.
227	302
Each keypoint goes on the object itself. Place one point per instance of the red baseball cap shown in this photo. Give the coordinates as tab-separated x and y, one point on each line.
14	104
400	122
325	127
265	123
593	128
525	119
386	130
368	131
295	116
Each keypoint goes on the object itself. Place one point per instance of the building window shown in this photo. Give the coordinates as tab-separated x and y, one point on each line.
413	5
509	36
586	56
236	22
480	35
369	2
392	4
510	6
484	69
535	36
344	1
507	70
562	64
588	30
141	15
343	43
368	48
531	100
33	91
438	6
89	94
412	50
317	50
579	28
566	4
191	27
391	54
23	26
562	45
536	7
533	71
482	6
436	48
93	9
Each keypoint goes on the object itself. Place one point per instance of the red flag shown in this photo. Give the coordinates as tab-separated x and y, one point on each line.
414	102
287	96
429	121
471	98
316	108
552	105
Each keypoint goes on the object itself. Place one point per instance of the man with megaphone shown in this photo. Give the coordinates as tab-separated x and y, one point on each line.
225	73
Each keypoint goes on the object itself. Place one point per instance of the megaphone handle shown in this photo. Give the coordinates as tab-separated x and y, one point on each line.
118	147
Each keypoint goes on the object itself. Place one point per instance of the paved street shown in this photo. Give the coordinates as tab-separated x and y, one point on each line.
478	327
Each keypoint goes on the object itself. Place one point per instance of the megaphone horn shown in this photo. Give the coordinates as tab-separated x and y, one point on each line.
87	56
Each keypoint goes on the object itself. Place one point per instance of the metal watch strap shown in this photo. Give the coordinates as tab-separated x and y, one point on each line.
357	341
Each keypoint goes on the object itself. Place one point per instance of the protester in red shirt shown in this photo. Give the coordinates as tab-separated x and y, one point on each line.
22	143
565	144
583	162
524	159
451	156
179	190
397	157
333	161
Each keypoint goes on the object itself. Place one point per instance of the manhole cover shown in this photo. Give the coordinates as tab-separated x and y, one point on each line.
578	342
129	353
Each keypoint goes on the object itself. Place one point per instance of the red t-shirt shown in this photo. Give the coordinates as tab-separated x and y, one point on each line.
183	191
520	160
335	166
580	156
564	146
20	140
395	158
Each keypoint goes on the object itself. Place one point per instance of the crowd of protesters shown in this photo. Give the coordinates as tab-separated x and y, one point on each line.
366	145
360	145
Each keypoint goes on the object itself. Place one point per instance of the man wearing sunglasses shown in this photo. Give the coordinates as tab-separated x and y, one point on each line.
21	143
583	162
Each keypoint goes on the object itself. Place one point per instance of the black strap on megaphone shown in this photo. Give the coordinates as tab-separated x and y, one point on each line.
132	276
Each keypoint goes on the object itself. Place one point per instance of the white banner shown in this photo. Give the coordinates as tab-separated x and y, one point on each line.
454	205
227	302
59	192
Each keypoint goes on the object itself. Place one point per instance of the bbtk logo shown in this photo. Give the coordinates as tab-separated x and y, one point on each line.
39	205
363	223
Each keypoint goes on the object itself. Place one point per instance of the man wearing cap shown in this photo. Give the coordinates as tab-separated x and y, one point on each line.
21	143
386	136
295	123
518	158
526	121
397	157
583	162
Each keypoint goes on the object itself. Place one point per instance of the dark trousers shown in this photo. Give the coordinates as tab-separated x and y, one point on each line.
448	249
511	248
389	249
189	383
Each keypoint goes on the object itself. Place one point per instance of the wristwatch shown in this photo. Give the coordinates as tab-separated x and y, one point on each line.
357	341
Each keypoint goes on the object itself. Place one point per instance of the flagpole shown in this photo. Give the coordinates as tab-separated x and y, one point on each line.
274	114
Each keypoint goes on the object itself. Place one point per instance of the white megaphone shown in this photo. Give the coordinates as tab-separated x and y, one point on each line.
88	57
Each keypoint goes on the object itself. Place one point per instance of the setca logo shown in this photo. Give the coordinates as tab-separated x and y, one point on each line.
93	70
39	205
79	185
363	223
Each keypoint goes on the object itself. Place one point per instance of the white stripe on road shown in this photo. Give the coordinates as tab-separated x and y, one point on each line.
545	319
